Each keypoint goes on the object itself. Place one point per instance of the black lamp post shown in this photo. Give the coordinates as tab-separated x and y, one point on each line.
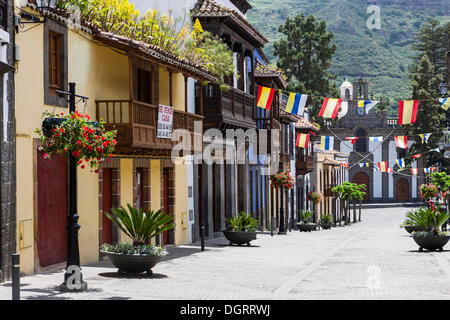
73	278
43	5
282	229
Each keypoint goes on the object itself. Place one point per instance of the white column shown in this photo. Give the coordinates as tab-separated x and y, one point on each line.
391	163
414	181
377	181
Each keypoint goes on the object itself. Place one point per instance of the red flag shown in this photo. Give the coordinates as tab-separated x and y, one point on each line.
416	156
352	139
407	111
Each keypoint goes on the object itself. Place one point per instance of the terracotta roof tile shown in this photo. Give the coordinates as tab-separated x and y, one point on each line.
269	71
210	8
302	123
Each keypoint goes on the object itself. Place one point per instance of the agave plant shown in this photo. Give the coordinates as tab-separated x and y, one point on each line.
431	218
306	215
140	226
243	222
326	218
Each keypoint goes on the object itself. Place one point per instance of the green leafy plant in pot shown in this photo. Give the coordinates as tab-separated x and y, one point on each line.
141	227
241	229
431	218
326	221
305	224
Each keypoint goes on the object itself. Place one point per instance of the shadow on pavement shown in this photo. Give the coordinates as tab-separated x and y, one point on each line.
132	275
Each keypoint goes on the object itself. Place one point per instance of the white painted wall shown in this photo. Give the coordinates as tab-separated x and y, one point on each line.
377	181
4	41
391	163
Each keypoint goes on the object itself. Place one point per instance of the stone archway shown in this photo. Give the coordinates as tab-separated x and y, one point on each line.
363	178
402	190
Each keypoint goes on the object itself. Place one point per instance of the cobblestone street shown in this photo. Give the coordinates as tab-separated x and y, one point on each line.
373	259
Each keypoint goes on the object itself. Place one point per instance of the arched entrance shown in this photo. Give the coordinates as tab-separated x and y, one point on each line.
363	178
402	187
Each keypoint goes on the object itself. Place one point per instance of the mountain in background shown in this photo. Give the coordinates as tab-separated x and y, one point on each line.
381	56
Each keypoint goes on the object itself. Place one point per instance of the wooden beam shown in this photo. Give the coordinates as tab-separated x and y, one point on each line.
170	89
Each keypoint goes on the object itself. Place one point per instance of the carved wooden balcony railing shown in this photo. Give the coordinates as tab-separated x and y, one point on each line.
228	107
304	164
137	123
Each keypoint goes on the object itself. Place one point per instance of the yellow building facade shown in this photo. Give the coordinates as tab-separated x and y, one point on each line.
140	173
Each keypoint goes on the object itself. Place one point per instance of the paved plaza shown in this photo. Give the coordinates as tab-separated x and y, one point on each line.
373	259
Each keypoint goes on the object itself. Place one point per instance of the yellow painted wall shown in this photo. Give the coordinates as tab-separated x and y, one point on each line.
181	204
164	95
155	183
126	189
100	73
177	87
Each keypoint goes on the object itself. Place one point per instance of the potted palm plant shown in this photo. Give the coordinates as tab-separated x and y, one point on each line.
140	255
305	225
411	223
326	221
241	229
431	218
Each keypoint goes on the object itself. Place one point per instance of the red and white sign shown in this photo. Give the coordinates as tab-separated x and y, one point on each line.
165	121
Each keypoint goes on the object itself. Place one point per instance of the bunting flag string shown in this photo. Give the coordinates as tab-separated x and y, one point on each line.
425	137
376	139
296	103
401	142
352	139
445	103
401	162
367	104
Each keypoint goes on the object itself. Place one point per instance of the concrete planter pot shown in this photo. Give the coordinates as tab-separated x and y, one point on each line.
239	237
132	263
326	226
306	227
410	229
431	243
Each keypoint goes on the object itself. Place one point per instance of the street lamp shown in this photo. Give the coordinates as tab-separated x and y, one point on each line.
443	88
43	5
282	229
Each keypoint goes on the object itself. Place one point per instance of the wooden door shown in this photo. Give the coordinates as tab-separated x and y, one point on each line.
402	188
52	209
106	205
363	178
166	201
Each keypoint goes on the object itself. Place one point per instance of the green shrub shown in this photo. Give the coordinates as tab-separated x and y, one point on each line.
242	222
129	248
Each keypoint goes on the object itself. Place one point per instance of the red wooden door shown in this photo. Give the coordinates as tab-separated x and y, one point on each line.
166	200
363	178
402	190
107	204
52	210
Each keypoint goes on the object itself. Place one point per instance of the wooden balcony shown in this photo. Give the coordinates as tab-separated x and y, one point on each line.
223	108
304	164
136	124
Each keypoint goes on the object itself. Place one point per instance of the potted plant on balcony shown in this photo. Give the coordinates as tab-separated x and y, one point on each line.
326	221
241	229
73	134
431	218
138	256
305	224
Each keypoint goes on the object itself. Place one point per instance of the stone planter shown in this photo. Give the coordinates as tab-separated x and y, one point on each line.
306	227
239	237
326	225
410	229
431	242
132	263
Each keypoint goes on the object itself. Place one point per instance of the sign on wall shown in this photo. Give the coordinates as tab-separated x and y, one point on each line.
165	121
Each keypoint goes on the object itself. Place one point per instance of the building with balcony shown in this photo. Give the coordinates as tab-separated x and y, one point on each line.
127	82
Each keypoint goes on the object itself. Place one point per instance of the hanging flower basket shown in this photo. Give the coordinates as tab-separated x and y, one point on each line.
73	134
282	180
314	196
428	191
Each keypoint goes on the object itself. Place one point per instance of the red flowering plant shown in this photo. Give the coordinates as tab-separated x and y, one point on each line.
314	196
428	191
282	180
73	134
